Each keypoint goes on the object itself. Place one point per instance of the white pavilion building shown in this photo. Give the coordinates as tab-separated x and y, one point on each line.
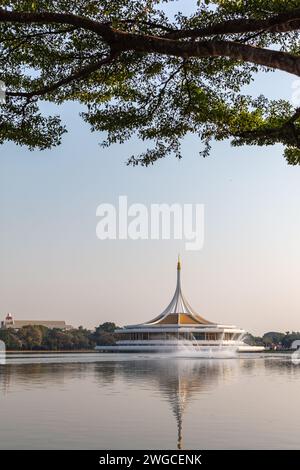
179	329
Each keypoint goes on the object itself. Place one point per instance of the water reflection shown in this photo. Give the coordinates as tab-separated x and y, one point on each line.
178	382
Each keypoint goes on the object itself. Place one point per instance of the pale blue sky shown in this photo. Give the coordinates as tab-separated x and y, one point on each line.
53	266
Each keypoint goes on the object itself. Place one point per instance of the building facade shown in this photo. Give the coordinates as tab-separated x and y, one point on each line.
10	322
178	328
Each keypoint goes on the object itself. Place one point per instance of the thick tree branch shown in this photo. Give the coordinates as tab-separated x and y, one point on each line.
121	40
274	59
284	22
287	132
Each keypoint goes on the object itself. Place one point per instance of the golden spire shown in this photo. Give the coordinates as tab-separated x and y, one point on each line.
178	264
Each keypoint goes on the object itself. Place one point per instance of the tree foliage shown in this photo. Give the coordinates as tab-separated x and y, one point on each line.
273	337
35	337
138	72
253	340
289	338
104	334
38	337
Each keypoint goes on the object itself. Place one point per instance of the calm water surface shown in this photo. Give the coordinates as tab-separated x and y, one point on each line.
94	401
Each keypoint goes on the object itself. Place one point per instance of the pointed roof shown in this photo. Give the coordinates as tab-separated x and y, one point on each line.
179	311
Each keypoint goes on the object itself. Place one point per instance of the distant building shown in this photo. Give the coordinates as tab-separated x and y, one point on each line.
10	322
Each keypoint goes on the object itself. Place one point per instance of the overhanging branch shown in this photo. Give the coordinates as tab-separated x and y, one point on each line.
46	17
121	40
78	75
284	22
199	49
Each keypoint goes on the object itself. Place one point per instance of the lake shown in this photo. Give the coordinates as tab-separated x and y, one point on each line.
111	401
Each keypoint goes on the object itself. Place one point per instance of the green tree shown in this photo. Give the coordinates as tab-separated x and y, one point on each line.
289	338
272	337
42	338
31	336
74	339
109	327
104	338
137	72
82	338
104	334
253	340
11	340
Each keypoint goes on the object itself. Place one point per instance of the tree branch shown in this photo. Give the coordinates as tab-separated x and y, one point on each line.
295	116
284	22
78	75
288	132
46	17
150	24
269	58
39	34
124	41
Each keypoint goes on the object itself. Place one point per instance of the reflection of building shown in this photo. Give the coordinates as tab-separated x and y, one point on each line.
178	327
10	322
180	384
180	381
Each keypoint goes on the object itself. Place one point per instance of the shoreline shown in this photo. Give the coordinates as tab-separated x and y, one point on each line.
89	351
48	351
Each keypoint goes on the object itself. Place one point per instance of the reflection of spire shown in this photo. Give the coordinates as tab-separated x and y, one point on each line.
179	440
179	401
179	380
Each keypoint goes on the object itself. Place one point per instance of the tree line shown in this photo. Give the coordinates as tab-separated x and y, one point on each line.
41	338
273	339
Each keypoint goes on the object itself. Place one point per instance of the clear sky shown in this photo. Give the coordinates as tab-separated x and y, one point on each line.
54	267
